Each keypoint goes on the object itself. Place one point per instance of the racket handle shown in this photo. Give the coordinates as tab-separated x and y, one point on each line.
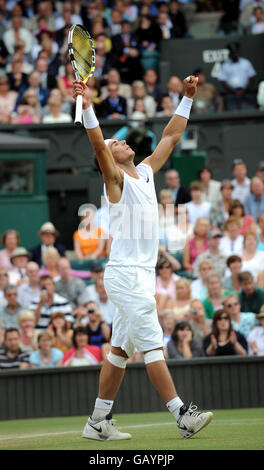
78	111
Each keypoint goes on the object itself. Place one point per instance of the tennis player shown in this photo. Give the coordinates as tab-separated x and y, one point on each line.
130	272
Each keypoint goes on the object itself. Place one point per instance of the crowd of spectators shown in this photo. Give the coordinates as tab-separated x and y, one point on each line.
209	279
36	75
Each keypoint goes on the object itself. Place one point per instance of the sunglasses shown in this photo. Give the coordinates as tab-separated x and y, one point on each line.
232	304
223	318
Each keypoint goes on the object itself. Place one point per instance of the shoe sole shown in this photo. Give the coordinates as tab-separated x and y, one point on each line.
208	421
106	439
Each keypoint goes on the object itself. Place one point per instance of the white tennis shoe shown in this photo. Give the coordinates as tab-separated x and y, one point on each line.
104	430
191	421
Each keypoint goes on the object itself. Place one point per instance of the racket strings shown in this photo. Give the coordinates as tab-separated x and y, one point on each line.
83	53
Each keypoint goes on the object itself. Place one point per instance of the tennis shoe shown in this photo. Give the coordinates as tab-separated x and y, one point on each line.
191	421
104	430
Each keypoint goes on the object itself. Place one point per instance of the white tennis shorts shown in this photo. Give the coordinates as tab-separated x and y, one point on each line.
135	322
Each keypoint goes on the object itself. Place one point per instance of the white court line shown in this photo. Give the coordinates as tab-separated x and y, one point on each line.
218	422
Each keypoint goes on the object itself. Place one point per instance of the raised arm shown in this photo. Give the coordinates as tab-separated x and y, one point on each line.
113	176
175	128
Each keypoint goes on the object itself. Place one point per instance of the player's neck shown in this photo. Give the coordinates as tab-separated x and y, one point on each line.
129	168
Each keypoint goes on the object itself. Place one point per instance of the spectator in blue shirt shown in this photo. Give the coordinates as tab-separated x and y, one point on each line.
114	106
254	203
46	355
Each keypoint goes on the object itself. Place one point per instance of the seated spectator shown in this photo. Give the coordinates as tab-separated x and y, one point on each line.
139	92
105	306
252	259
44	11
182	345
96	272
68	16
247	222
42	35
148	33
256	337
89	240
201	326
25	113
103	60
46	355
254	203
82	354
165	24
114	106
167	108
167	321
66	106
165	283
258	26
11	356
224	341
60	334
17	78
232	242
228	24
124	89
179	25
51	258
251	297
3	283
65	82
52	58
28	336
166	208
10	310
19	54
17	31
47	80
207	98
94	85
153	88
10	241
211	187
48	235
199	286
139	111
243	322
216	295
98	330
175	89
197	208
213	254
31	99
260	232
219	212
56	115
34	82
7	99
114	21
231	281
180	194
181	305
195	245
19	260
49	303
240	181
236	76
68	286
29	290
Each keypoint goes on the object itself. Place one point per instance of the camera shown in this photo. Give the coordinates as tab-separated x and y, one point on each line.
91	310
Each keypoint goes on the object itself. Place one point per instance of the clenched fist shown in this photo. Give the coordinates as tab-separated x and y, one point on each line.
190	84
79	88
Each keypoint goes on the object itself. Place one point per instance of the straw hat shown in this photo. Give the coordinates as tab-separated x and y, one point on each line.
48	227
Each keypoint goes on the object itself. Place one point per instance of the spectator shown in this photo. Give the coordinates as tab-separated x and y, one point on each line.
48	54
197	208
139	92
56	115
165	24
167	108
10	240
219	211
236	76
247	222
47	80
196	245
251	297
231	282
25	113
224	341
28	336
11	356
198	286
216	295
246	18
166	208
48	235
232	242
149	34
114	106
29	291
34	82
42	35
17	78
113	77
260	235
68	286
89	240
179	193
213	254
96	272
45	11
9	312
31	99
68	16
228	24
240	182
49	303
114	22
211	187
7	99
254	203
175	89
66	106
260	171
99	332
181	305
82	354
17	31
207	98
105	305
51	258
168	321
200	325
165	284
243	322
153	88
19	260
60	334
182	345
252	259
3	283
256	337
94	86
65	82
46	355
103	61
179	28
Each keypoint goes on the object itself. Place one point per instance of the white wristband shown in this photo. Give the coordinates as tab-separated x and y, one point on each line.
184	108
90	120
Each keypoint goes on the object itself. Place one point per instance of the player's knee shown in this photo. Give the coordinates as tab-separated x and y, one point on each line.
117	358
154	356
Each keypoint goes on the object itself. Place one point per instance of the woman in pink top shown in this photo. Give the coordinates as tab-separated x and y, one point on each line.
247	222
65	82
7	99
10	240
197	244
165	284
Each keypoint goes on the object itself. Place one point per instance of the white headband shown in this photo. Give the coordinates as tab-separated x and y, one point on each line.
108	141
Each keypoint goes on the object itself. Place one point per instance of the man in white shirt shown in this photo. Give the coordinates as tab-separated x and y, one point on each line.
197	208
240	182
10	36
29	292
232	243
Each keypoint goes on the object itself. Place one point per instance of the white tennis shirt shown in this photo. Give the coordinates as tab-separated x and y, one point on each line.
134	222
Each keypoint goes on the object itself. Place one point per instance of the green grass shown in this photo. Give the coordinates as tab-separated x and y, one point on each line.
229	430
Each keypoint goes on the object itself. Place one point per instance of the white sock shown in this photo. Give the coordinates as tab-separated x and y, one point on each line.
102	408
174	406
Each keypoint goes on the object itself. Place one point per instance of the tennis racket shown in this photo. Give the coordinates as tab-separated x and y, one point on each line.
82	56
